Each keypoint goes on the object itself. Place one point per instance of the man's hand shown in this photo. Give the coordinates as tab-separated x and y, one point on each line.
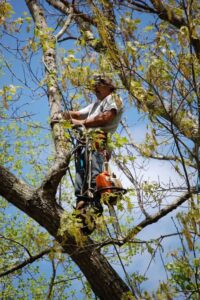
66	115
100	120
77	123
57	117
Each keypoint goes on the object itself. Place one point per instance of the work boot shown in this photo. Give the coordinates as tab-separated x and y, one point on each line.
87	211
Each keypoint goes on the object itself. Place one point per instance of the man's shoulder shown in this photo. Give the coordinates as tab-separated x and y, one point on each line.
117	100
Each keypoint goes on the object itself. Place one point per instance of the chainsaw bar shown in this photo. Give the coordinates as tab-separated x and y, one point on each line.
115	224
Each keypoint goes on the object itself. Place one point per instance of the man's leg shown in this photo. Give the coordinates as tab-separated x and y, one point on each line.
97	168
80	168
84	207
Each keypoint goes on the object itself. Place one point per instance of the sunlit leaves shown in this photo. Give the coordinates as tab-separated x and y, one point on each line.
6	11
70	223
46	38
7	93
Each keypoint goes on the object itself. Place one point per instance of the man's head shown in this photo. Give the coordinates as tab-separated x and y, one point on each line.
103	86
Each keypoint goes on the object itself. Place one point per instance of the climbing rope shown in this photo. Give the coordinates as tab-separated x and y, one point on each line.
198	175
121	262
198	184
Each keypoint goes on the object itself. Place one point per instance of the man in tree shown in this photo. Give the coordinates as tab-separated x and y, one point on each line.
99	119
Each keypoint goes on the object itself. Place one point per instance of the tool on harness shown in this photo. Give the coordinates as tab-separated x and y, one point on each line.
109	186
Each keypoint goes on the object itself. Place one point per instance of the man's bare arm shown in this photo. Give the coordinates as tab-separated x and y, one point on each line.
68	115
100	120
72	114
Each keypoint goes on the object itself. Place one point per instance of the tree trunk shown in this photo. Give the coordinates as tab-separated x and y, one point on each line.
41	207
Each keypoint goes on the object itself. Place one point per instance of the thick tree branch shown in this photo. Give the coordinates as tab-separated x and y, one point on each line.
60	165
63	6
38	205
13	189
157	216
54	176
166	13
26	262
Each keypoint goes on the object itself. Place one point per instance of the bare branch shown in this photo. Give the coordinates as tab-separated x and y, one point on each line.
66	280
16	242
120	241
66	24
63	6
157	216
49	296
26	262
156	156
142	6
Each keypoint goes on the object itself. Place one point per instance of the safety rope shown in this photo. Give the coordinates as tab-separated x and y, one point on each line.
70	175
198	184
198	175
121	262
